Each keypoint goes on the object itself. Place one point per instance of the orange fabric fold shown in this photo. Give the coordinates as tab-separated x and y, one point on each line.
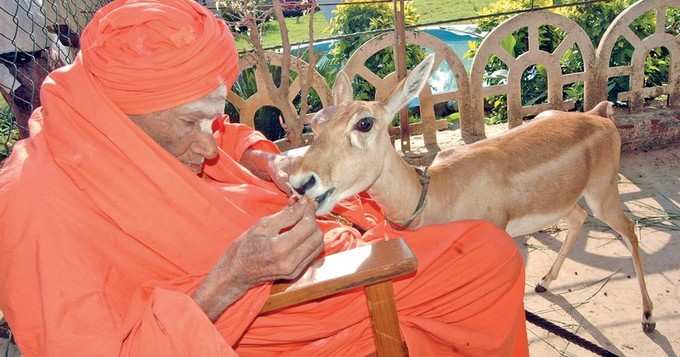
104	235
150	55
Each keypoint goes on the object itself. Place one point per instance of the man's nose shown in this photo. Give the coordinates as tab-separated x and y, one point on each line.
205	146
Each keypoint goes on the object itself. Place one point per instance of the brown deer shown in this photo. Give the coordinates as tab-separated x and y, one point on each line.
522	181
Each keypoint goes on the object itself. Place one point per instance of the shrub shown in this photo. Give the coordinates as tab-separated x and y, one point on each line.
594	18
367	17
8	131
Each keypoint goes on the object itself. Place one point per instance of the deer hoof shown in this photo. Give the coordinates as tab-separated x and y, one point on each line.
648	324
540	288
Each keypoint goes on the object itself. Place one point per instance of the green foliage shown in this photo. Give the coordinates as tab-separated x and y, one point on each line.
656	67
367	17
453	118
438	10
8	131
500	6
534	91
497	106
594	19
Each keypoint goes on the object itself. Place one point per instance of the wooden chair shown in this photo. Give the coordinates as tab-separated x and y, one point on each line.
371	267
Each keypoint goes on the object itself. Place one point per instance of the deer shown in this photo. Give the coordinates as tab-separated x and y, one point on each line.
522	181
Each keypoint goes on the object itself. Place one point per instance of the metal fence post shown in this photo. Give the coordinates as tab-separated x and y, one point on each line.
400	61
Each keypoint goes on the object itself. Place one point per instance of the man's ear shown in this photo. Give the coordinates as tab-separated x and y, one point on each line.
342	90
410	87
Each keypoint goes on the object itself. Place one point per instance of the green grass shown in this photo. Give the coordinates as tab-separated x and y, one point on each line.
297	32
438	10
429	11
453	117
3	104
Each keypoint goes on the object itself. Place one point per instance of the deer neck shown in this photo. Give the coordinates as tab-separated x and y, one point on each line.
397	189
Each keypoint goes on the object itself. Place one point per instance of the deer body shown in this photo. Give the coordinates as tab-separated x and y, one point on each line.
522	181
506	179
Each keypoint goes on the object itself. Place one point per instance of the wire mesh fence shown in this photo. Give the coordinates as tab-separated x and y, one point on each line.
36	36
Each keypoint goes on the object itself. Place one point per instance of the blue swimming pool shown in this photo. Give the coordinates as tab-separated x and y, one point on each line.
442	79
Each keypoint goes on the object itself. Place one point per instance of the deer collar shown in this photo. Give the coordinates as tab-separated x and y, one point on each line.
424	179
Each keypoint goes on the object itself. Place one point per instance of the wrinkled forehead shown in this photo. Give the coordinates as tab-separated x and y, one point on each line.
216	97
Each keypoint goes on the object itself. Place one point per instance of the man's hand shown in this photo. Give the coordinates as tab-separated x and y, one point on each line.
262	254
270	167
280	169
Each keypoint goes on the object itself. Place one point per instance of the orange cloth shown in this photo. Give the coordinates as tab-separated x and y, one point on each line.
103	236
150	55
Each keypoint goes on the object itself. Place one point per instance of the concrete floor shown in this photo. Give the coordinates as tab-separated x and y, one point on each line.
597	295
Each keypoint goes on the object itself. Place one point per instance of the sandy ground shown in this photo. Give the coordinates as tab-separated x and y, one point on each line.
596	294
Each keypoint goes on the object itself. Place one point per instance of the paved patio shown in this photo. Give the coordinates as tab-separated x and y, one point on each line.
596	294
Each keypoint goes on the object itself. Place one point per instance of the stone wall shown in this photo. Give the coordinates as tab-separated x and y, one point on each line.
648	129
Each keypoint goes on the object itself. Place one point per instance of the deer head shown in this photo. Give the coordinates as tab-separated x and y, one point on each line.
352	140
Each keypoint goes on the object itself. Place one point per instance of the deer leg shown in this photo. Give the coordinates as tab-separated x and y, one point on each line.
575	219
608	209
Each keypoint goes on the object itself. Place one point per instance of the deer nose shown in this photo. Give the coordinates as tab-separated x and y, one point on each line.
311	181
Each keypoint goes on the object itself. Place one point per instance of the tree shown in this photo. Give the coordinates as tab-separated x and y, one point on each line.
350	19
594	18
249	13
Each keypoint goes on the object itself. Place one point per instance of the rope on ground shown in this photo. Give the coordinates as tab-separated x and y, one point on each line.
567	335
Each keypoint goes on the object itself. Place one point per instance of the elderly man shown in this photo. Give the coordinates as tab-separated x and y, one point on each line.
134	224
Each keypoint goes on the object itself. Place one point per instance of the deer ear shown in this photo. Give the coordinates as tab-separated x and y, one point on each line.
604	109
342	90
410	87
316	120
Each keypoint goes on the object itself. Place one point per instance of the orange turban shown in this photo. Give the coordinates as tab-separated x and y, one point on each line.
151	55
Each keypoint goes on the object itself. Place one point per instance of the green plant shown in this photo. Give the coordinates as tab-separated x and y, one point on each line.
452	118
594	18
656	67
497	108
9	133
367	17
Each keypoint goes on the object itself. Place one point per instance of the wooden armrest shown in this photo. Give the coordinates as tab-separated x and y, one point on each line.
367	265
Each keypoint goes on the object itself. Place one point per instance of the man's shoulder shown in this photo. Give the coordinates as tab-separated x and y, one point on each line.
12	168
24	174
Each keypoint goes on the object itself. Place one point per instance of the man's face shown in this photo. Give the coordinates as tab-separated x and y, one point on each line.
185	131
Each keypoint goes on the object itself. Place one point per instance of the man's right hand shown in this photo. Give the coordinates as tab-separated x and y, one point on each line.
263	253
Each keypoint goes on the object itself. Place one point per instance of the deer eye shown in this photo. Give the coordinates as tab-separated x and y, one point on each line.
364	125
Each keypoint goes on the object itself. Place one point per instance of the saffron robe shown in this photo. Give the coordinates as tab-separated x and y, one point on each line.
104	235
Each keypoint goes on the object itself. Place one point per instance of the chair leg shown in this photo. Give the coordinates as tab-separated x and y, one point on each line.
383	312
